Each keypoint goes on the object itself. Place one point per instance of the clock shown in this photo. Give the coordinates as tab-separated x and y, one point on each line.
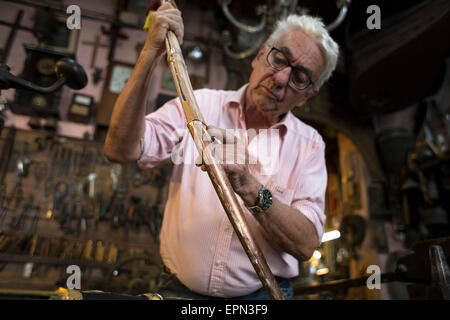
119	77
167	81
80	109
46	66
39	101
116	78
39	68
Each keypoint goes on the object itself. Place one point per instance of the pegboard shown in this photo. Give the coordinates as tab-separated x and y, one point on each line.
51	217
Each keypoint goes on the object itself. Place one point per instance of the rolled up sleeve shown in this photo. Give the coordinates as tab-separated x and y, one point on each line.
309	196
162	133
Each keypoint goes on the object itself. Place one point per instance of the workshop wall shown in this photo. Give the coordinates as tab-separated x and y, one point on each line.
51	217
200	30
122	220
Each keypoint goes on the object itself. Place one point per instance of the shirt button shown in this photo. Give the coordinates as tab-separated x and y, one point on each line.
227	228
218	263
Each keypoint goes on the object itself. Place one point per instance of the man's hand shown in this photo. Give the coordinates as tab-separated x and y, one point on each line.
164	19
230	151
282	224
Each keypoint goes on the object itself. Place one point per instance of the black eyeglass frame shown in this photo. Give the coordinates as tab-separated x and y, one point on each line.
302	69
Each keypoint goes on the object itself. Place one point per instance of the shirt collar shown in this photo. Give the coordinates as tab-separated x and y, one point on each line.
236	99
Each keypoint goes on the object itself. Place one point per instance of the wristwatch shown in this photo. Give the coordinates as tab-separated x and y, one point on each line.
264	201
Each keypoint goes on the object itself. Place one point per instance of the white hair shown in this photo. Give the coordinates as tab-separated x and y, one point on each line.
315	28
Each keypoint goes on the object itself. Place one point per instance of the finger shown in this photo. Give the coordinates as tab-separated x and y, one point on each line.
230	168
172	22
172	12
169	11
198	161
165	6
176	25
213	136
222	135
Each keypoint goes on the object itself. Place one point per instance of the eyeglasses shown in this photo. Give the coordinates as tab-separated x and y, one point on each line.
299	78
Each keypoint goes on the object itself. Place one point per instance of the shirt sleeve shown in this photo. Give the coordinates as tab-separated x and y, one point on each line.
309	196
164	128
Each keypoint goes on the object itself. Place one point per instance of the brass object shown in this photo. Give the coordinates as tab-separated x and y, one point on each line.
68	294
99	251
112	254
224	190
87	254
72	294
152	296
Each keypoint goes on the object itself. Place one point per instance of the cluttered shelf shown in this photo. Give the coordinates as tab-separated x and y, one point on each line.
63	203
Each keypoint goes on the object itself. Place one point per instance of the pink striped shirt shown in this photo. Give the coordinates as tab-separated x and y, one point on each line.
198	243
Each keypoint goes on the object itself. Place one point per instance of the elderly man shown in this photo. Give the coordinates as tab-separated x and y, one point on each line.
202	255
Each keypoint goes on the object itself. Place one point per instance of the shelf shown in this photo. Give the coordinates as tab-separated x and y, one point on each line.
445	158
16	258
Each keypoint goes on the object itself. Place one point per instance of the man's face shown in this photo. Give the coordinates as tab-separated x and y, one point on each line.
269	90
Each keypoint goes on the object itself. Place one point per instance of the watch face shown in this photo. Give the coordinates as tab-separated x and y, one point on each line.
265	199
46	66
119	77
39	101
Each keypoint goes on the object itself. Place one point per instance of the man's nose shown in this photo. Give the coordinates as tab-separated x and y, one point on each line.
282	77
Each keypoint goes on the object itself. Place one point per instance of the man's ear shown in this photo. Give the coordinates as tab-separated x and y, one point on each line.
314	91
304	98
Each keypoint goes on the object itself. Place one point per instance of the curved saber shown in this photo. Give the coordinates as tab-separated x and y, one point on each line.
224	190
343	6
236	23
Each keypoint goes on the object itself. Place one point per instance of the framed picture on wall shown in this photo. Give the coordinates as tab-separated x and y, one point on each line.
197	81
62	38
167	81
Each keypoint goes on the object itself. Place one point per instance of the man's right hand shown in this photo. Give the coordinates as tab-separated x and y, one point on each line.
164	19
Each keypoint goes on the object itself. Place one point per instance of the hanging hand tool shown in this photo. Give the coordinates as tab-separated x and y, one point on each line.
111	258
24	162
18	222
99	252
5	157
60	192
115	174
40	172
87	253
31	242
49	199
82	222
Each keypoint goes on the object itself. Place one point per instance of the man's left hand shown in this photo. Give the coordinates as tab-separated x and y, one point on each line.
231	152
